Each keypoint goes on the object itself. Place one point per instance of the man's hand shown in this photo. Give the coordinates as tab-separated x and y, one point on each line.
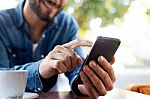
97	80
62	59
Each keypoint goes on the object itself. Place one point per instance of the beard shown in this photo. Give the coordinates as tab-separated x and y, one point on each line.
37	10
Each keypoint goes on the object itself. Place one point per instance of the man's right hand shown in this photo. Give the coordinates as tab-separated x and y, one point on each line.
62	59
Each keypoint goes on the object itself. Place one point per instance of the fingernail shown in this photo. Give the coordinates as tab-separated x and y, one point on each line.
86	69
79	61
92	64
81	73
100	58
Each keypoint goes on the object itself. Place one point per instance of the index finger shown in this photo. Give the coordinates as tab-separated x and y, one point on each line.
77	43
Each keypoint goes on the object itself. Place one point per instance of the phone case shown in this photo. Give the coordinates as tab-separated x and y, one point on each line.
103	46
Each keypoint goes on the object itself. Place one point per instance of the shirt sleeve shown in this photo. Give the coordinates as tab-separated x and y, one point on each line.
34	82
73	29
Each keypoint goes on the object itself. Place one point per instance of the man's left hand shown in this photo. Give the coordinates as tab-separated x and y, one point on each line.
97	79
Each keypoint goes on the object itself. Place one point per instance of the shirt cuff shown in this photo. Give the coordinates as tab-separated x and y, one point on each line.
34	83
75	89
48	83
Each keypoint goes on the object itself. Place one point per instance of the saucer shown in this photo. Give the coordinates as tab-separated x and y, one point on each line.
28	95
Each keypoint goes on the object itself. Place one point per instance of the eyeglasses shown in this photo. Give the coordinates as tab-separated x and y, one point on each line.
53	4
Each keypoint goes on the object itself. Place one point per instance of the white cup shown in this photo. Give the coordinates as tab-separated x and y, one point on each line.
12	84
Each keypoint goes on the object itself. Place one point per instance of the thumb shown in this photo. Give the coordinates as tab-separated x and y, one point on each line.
79	60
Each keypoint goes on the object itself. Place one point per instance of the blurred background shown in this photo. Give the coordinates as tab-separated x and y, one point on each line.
128	20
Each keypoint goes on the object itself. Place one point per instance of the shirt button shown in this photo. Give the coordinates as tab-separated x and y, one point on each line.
10	51
35	91
42	56
43	36
39	89
14	55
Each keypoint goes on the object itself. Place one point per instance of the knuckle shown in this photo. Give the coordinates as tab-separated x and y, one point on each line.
85	79
109	87
90	89
73	67
73	54
78	40
58	63
65	56
110	69
90	73
98	84
104	75
52	52
103	93
91	92
57	47
114	79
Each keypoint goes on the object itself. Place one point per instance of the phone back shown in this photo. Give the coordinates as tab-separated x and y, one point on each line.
104	46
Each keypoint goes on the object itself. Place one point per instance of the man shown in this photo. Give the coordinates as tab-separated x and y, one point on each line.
39	37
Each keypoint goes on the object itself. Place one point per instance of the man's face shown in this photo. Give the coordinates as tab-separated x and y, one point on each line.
47	9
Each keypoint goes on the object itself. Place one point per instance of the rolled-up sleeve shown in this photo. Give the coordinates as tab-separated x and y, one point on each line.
34	83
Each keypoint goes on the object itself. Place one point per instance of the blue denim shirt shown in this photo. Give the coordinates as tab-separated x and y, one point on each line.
16	45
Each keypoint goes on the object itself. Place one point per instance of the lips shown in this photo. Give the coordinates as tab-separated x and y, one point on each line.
45	2
51	3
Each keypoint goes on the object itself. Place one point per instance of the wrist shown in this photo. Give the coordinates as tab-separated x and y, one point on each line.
48	83
46	72
76	89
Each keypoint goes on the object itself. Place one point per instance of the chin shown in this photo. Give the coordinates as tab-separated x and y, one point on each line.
47	19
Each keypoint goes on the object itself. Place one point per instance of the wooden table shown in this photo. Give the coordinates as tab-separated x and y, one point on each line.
114	94
61	95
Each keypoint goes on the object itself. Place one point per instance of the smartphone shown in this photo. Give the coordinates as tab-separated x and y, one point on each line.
103	46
